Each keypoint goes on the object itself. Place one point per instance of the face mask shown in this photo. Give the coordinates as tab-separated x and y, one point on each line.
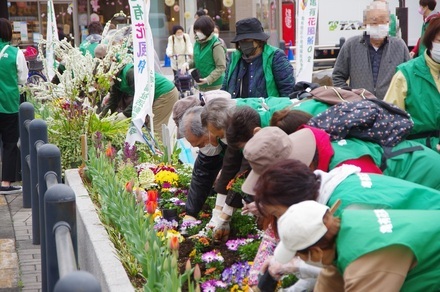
435	52
378	31
315	264
224	141
247	48
421	10
200	35
179	37
216	34
211	150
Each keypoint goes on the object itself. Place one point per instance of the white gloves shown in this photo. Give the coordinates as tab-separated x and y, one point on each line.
214	219
184	68
120	117
221	231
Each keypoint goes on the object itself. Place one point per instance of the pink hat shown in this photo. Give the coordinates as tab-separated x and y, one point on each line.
271	145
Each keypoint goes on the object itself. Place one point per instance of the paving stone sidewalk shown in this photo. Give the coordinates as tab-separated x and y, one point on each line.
20	260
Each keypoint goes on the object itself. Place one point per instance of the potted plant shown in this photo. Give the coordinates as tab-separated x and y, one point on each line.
234	187
170	211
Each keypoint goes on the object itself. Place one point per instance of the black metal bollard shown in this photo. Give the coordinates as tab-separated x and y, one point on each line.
48	161
37	137
78	281
25	115
59	206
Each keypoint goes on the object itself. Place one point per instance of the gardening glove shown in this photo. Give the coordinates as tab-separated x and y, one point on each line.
184	68
214	219
250	209
120	117
221	231
277	269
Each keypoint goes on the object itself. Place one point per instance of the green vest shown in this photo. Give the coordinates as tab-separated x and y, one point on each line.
9	93
87	46
383	192
271	105
123	85
161	84
267	54
415	166
365	231
204	59
422	99
393	25
311	106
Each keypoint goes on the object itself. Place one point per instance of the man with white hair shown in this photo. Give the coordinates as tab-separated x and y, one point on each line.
369	61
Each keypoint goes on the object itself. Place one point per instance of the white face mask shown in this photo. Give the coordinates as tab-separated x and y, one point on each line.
200	35
179	37
421	10
211	150
435	52
378	31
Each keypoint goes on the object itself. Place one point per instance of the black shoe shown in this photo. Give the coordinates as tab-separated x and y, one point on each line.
9	190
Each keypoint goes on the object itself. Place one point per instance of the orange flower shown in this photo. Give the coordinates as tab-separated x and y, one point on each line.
204	240
152	195
110	151
174	243
210	271
151	207
129	186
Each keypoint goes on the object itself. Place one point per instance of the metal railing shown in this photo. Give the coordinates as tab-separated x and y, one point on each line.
53	208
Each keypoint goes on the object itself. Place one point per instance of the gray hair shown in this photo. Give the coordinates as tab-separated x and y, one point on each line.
376	5
218	112
191	122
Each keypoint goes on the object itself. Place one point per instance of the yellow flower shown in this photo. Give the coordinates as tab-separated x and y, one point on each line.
193	253
146	178
166	176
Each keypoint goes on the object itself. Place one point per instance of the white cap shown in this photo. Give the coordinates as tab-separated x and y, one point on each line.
299	227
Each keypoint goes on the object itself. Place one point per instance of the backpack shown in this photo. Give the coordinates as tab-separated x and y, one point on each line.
370	119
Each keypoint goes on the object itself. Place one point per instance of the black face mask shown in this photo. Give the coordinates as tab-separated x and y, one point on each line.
247	48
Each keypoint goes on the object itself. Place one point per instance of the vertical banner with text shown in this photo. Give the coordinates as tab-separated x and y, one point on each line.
143	53
305	41
52	35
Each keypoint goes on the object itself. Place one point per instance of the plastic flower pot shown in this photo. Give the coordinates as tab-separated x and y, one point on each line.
170	214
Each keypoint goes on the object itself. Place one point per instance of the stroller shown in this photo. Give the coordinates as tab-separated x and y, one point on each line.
35	65
184	82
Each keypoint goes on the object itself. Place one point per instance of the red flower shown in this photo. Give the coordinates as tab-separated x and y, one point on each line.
174	243
152	195
151	207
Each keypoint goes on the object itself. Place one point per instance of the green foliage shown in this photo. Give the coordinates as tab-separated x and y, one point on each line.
243	224
288	280
143	247
248	251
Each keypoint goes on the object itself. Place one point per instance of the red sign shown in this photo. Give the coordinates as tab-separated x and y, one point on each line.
288	21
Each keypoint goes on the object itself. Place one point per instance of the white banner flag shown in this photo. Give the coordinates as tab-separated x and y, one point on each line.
143	51
52	35
305	40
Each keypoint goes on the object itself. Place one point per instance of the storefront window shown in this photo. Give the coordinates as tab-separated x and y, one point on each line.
29	21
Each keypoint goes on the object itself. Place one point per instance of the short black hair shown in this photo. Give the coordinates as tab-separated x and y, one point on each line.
205	24
430	3
5	30
241	128
200	12
176	28
95	27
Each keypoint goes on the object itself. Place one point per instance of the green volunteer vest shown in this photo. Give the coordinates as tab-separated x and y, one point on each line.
408	166
311	106
267	54
381	191
10	95
87	46
365	231
422	99
266	109
123	85
204	59
161	85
